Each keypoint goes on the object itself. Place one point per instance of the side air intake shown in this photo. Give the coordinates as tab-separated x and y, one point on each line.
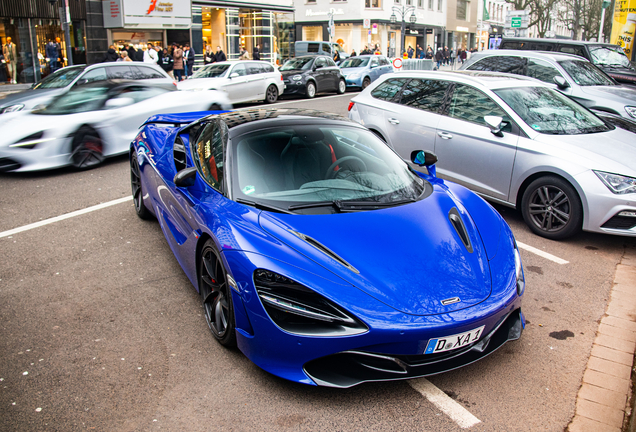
458	224
324	249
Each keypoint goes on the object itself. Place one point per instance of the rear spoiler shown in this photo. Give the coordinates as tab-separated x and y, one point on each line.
179	119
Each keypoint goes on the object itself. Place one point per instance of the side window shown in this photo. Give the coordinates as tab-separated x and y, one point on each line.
208	154
98	74
427	95
538	46
121	72
472	105
389	89
326	48
239	69
268	68
508	64
374	62
144	72
542	70
139	94
320	62
569	49
384	61
313	47
330	62
510	45
253	68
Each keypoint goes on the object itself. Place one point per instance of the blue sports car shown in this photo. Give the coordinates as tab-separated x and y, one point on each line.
322	254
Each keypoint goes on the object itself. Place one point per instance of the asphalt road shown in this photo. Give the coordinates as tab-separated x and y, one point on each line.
101	330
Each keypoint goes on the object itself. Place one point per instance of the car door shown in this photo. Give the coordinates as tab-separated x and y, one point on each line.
321	74
236	87
256	79
333	72
413	122
374	68
469	153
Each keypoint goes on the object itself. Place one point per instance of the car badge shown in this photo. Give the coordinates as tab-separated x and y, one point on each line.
450	301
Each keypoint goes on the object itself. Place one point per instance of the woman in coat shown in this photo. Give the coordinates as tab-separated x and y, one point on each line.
177	66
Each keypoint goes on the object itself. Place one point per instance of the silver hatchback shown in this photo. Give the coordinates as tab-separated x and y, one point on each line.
514	141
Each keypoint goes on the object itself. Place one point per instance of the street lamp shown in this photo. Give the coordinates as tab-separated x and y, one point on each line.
403	11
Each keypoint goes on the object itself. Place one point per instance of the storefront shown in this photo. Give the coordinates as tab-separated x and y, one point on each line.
30	34
241	26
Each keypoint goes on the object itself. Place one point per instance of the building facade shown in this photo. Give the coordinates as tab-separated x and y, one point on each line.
461	24
360	23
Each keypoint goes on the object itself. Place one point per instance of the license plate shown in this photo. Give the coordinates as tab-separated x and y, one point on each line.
453	342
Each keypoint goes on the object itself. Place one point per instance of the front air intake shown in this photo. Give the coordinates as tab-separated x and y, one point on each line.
458	224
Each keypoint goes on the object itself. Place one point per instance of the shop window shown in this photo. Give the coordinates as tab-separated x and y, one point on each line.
462	9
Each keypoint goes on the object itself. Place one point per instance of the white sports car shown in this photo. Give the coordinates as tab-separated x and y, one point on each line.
91	122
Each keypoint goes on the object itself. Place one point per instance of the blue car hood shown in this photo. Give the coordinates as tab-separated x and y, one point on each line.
409	257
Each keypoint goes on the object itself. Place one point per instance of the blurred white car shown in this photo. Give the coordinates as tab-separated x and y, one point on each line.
243	81
90	122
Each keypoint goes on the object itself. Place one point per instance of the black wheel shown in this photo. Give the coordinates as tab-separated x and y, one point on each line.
342	86
137	189
271	95
216	295
87	149
365	82
552	208
311	90
214	107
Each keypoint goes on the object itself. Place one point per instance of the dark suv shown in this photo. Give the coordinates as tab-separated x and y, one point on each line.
309	75
610	58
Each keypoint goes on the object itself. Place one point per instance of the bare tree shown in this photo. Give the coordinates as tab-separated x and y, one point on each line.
583	17
540	12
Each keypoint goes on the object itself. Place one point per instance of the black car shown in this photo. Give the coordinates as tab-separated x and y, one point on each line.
610	58
309	75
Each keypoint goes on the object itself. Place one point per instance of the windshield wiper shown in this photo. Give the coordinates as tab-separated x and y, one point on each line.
334	204
372	205
261	206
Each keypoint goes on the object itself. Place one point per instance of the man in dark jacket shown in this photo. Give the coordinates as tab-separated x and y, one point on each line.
188	57
51	55
220	55
132	52
110	56
256	55
439	57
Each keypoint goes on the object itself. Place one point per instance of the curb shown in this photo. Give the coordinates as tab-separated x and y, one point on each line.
604	402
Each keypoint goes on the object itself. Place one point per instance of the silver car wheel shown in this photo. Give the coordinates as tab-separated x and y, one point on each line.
311	90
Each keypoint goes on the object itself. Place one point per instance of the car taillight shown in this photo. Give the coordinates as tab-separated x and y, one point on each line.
175	84
351	104
281	77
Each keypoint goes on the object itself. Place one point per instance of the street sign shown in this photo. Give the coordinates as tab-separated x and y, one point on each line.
397	63
509	33
515	22
366	23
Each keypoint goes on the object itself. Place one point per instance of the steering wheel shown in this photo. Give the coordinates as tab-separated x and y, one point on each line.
331	173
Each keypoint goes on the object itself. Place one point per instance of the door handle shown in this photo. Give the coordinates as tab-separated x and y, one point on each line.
445	135
393	121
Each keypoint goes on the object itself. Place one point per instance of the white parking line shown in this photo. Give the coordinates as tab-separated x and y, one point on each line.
65	216
446	404
542	254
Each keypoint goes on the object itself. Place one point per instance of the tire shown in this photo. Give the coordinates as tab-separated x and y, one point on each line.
216	295
310	90
342	86
552	208
215	107
271	95
365	82
137	189
87	149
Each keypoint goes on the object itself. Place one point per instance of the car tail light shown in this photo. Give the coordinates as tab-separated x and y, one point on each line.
281	77
175	84
351	104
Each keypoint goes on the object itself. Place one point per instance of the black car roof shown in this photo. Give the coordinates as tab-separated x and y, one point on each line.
557	41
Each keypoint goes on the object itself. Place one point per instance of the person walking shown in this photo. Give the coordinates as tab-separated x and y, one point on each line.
452	56
429	52
110	56
208	55
188	58
177	57
463	55
132	52
439	57
150	55
353	53
11	60
220	55
3	69
124	56
166	62
244	54
256	54
446	55
50	52
336	56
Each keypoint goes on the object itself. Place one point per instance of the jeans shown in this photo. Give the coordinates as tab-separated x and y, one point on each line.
178	74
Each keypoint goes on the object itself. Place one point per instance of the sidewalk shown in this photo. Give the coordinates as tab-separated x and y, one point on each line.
604	402
7	89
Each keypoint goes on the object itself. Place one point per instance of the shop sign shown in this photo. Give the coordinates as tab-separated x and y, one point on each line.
429	31
147	13
310	12
462	29
624	25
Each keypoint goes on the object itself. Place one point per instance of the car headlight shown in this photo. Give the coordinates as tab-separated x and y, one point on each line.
618	184
521	281
631	110
297	77
31	141
297	309
12	108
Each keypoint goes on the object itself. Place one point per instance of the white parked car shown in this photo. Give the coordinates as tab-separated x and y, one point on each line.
90	122
243	81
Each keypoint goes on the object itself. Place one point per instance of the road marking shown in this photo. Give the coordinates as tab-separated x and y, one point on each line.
542	254
445	403
65	216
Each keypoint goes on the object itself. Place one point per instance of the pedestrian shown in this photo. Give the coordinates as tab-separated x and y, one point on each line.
446	55
409	51
3	69
124	56
439	57
110	56
256	54
208	55
418	51
244	54
11	60
177	57
150	55
463	55
165	62
353	53
50	52
429	52
132	52
336	56
219	55
60	58
188	58
452	56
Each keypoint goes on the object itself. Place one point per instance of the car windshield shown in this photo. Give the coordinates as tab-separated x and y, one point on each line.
297	63
76	101
585	73
212	71
322	169
610	56
550	112
60	78
355	62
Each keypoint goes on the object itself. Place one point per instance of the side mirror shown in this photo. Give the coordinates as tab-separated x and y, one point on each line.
185	177
561	82
119	102
425	158
234	75
494	122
